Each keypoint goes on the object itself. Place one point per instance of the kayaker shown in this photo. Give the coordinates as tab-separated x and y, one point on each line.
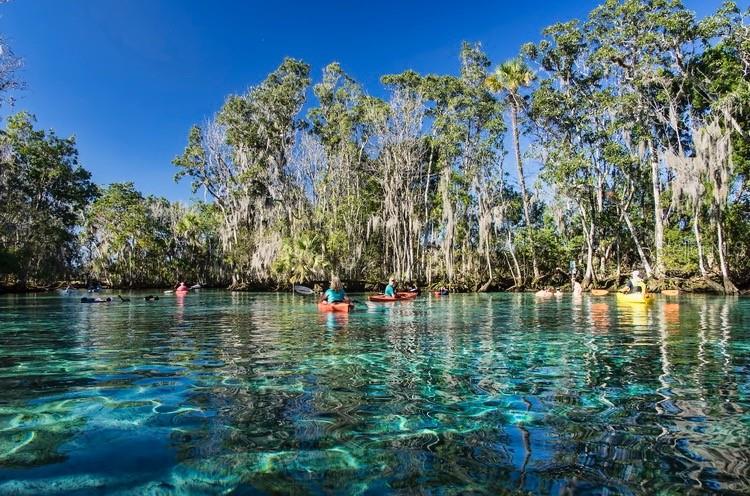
577	288
335	293
182	288
635	283
390	290
546	292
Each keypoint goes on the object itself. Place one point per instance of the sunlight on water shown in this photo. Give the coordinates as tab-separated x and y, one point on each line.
467	393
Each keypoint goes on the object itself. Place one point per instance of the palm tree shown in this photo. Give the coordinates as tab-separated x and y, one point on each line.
300	260
509	78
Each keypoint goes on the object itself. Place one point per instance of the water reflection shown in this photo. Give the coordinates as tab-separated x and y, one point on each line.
484	393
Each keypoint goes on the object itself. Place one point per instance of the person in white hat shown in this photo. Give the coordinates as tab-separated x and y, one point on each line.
635	282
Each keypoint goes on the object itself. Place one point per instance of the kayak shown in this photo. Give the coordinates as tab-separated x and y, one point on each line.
181	293
303	290
399	297
96	300
440	293
635	297
340	306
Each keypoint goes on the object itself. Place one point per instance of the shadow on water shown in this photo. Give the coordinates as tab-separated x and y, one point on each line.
485	393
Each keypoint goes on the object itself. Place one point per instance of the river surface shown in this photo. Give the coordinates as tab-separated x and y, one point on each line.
221	392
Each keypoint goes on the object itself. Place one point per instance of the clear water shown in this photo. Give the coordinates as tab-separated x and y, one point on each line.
261	394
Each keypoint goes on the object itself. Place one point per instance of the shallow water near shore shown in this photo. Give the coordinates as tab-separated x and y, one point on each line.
482	393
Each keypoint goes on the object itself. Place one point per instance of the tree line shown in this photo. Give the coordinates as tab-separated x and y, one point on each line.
634	122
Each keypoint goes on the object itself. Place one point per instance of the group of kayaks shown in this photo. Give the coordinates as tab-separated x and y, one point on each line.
346	307
638	298
406	295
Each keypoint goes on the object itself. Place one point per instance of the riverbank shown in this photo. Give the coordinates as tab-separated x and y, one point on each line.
692	285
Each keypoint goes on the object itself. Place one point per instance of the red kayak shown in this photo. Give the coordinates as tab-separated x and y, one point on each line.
440	293
181	293
340	306
399	297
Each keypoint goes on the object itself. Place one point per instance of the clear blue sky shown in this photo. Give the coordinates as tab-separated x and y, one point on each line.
129	77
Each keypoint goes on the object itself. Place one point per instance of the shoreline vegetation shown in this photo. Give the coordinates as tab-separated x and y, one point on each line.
633	122
694	285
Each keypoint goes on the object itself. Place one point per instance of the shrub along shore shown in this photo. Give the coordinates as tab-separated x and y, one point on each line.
696	285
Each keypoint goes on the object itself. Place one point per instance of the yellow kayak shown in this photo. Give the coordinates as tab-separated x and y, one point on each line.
635	297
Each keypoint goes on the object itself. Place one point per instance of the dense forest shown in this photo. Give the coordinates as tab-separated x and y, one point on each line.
633	123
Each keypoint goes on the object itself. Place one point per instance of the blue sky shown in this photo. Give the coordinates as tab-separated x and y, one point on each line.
129	78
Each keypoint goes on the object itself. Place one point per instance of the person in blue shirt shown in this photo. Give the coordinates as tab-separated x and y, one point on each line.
335	293
390	290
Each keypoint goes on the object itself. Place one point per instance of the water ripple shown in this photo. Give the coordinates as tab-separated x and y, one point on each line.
469	394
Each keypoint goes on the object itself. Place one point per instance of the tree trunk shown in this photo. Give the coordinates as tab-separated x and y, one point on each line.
658	213
588	233
522	180
729	287
699	243
639	248
519	280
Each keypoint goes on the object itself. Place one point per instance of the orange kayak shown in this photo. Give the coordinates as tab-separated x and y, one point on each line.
341	306
399	297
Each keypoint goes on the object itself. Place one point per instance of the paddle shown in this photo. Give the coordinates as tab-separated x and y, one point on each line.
599	292
124	300
303	290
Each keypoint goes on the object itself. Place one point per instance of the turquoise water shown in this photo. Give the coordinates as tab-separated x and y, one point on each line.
260	394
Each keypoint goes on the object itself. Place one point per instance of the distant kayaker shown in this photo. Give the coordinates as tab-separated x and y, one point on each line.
335	293
635	283
546	292
182	288
577	288
390	290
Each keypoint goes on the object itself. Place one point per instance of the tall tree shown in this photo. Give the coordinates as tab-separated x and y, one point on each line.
241	158
510	78
43	190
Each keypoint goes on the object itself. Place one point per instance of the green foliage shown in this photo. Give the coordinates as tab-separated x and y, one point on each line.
680	252
136	241
300	260
43	191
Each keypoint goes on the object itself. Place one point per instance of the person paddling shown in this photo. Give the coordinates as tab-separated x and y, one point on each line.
546	292
182	288
335	293
577	289
390	290
635	283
